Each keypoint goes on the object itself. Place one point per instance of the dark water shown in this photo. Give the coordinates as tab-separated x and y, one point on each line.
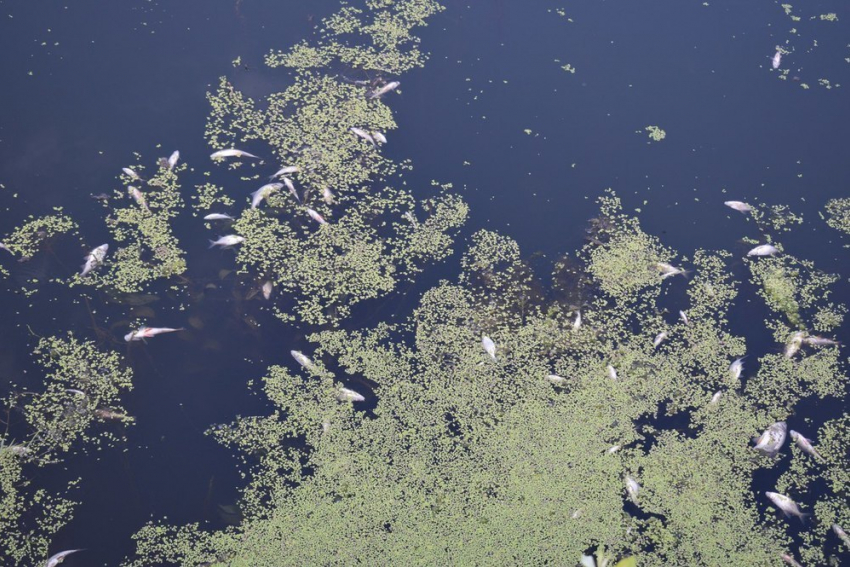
119	77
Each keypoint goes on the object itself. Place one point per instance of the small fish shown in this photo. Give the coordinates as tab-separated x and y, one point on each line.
227	241
410	217
790	560
288	170
794	343
94	259
777	60
633	488
805	444
577	322
684	317
263	192
99	197
378	137
316	216
587	560
489	346
820	341
788	506
659	338
763	250
716	398
327	196
6	248
736	368
220	154
143	333
75	391
302	359
131	173
107	414
556	380
267	288
613	449
391	86
138	197
842	535
739	206
363	134
612	372
172	159
55	560
218	216
668	270
291	186
346	395
772	439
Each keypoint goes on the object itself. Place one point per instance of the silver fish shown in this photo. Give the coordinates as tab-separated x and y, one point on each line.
143	333
613	449
777	60
55	560
716	397
218	216
577	322
267	289
489	346
772	439
739	206
391	86
788	506
794	343
363	134
346	395
172	159
220	154
659	338
684	317
291	186
820	341
763	250
380	138
227	241
138	197
736	368
633	488
612	372
556	380
289	169
668	270
790	560
316	216
94	259
805	444
327	196
842	535
131	173
263	193
302	359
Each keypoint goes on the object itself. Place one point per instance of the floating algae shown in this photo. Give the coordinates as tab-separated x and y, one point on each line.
656	134
838	214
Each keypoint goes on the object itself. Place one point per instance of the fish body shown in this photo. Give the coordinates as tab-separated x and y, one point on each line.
659	338
288	170
94	259
143	333
716	398
632	488
556	380
777	60
790	560
489	346
291	186
612	372
772	439
316	216
805	444
684	317
359	132
138	197
820	341
218	216
794	343
346	395
227	241
232	152
301	359
131	173
267	289
327	196
172	159
577	322
391	86
55	560
108	414
763	250
613	449
378	137
788	506
736	368
263	193
739	206
668	270
842	535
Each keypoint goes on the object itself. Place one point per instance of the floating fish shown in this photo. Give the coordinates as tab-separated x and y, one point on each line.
218	216
316	216
55	560
842	535
805	444
94	259
777	60
378	137
739	206
633	488
263	193
138	197
788	506
143	333
763	250
790	560
659	338
391	86
684	317
411	217
291	186
6	248
556	380
587	561
172	159
667	270
613	449
267	288
346	395
772	439
736	368
131	173
363	134
577	322
107	414
99	197
220	154
302	359
327	196
820	341
794	343
716	397
489	346
288	170
227	241
612	372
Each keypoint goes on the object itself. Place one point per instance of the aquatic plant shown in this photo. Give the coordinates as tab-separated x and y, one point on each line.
838	214
656	134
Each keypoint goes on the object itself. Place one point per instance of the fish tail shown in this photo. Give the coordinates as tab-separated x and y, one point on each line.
212	243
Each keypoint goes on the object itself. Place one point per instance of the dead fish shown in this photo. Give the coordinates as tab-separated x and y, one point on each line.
788	506
777	60
820	341
794	343
790	560
6	248
805	444
391	86
94	259
716	397
577	322
327	196
263	193
363	134
138	197
684	317
659	338
556	380
218	216
346	395
668	270
143	333
227	241
107	414
99	197
378	137
316	216
291	186
75	391
739	206
302	359
842	535
489	346
612	372
267	288
763	250
131	173
288	170
633	488
220	154
736	368
55	560
772	439
172	159
410	217
613	449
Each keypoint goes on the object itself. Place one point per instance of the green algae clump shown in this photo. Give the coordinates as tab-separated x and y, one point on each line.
656	134
838	214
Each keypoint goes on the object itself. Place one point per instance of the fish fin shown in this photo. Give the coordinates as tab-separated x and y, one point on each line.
803	516
212	243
